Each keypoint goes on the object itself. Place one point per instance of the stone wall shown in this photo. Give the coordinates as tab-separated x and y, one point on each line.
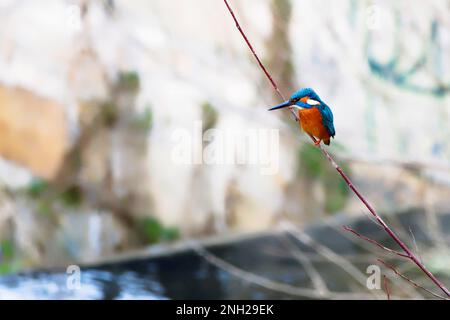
92	92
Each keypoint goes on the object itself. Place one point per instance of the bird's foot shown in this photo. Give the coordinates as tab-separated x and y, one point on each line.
317	142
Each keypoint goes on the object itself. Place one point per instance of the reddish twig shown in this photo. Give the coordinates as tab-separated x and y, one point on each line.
261	65
347	228
388	230
386	288
415	284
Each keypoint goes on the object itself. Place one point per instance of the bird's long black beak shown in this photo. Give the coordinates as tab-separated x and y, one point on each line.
282	105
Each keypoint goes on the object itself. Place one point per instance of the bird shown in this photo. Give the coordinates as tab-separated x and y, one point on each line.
316	118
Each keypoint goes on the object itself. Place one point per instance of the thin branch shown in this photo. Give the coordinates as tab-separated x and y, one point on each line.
404	287
388	230
261	65
268	283
347	228
415	244
371	218
314	275
386	288
415	284
329	254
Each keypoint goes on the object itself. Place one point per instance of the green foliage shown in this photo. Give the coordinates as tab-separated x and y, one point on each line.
209	116
5	268
46	195
336	191
36	188
283	7
9	267
313	165
44	207
129	80
144	120
110	113
170	234
72	197
6	256
6	249
153	231
310	161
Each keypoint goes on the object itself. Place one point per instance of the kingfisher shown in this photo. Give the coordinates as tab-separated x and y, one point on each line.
316	118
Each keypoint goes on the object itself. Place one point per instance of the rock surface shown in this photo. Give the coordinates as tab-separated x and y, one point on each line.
71	62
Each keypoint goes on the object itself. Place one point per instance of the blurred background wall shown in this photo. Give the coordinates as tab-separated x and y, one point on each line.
92	92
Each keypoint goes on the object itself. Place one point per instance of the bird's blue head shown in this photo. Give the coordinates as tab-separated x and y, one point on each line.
303	98
305	93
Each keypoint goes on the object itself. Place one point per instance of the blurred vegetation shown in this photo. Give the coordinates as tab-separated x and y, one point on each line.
129	80
314	166
153	231
72	196
110	113
36	188
209	116
281	65
439	261
6	257
144	120
47	195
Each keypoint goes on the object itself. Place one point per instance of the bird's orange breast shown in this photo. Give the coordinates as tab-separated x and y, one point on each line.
311	123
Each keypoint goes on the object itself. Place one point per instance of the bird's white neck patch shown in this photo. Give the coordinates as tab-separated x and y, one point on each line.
312	102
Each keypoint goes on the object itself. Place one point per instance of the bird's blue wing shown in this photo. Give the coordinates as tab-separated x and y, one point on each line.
327	119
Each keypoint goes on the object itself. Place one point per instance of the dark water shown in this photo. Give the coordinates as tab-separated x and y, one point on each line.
186	274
